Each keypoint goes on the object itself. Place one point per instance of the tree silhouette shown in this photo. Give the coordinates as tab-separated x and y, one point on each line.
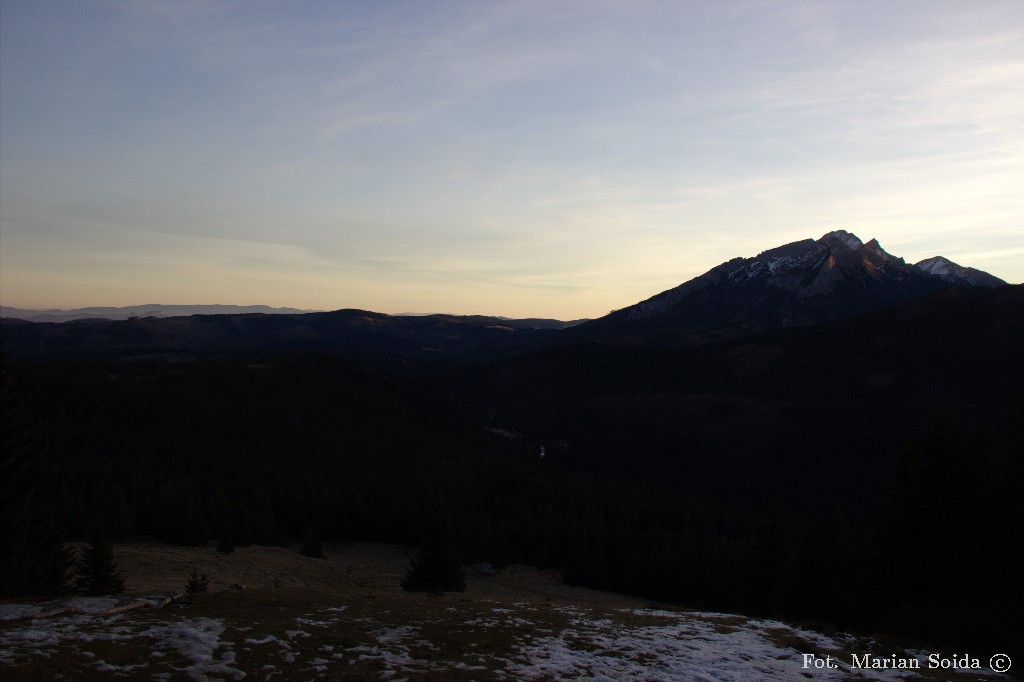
34	560
97	572
769	557
225	545
311	546
438	568
197	582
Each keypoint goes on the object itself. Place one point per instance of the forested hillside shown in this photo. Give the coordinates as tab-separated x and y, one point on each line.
866	473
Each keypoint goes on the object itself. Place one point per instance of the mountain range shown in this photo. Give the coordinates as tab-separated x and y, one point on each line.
822	430
145	310
794	285
361	331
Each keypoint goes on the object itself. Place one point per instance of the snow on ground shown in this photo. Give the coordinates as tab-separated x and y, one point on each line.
194	639
685	647
197	640
84	605
530	641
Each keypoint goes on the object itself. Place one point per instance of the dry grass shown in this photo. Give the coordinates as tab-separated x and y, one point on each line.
149	568
346	617
302	618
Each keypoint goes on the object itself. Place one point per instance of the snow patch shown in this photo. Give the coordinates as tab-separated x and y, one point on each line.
851	240
938	266
19	611
196	640
84	605
686	647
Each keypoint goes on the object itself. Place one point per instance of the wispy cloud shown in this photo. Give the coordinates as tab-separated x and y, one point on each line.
577	154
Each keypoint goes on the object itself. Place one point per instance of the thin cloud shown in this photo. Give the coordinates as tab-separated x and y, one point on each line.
578	154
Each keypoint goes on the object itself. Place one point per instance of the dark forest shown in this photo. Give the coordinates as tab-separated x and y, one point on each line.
814	474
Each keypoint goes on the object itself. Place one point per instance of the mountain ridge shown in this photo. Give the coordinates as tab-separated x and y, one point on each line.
348	330
796	284
942	267
144	310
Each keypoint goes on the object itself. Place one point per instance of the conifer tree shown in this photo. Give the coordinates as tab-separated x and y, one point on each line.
221	512
224	544
438	567
97	572
33	559
225	538
769	560
311	546
197	582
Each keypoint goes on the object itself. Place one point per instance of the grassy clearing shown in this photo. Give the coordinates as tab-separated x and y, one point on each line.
345	617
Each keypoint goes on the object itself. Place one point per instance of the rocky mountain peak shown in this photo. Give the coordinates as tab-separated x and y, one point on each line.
847	239
801	283
953	273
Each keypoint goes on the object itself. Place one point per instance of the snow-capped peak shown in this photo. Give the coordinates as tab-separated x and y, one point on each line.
851	240
799	283
938	266
947	270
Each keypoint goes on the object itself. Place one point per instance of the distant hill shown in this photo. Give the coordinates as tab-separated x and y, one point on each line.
147	310
434	336
794	285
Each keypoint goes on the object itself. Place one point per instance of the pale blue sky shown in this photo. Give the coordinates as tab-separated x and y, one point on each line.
555	159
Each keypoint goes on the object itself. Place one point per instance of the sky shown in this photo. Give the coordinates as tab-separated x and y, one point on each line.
520	158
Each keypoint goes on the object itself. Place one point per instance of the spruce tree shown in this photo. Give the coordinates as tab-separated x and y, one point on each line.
197	582
225	539
33	558
438	567
769	561
97	572
311	546
221	512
